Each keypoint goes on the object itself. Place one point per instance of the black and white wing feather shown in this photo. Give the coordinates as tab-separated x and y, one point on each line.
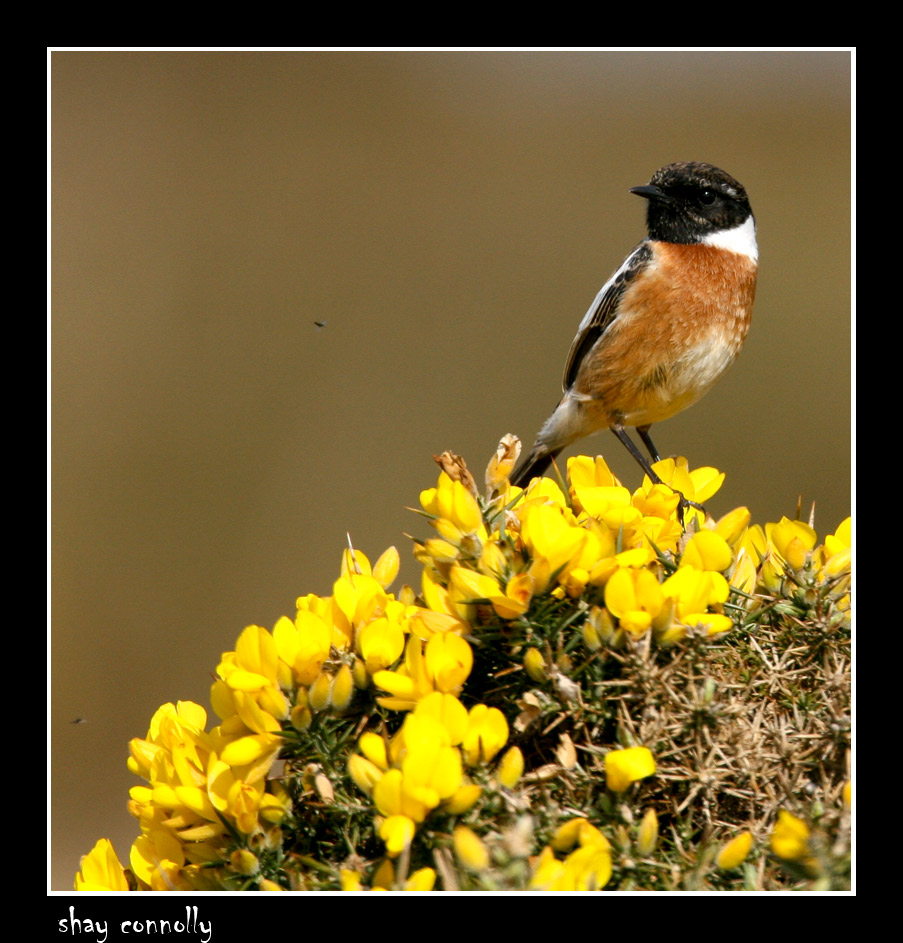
603	311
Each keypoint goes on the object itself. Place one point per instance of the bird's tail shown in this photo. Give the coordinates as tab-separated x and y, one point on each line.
533	466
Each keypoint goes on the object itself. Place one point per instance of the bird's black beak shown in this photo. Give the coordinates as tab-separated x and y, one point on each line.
651	193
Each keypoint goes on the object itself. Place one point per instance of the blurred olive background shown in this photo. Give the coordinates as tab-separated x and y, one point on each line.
449	216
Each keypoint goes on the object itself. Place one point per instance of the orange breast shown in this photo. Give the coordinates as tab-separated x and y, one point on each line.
676	332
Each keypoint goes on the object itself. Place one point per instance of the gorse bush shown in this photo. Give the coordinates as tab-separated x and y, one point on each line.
590	689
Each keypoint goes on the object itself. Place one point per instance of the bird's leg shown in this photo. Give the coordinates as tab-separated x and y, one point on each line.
647	439
628	443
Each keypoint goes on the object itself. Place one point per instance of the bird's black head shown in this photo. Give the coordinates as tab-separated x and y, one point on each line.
689	201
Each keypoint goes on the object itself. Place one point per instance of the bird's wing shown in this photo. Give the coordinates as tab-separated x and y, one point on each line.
603	311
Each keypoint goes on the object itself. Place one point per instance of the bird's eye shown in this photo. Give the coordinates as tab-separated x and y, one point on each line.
707	197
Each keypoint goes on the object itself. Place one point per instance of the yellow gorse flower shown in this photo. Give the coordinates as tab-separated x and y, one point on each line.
442	664
635	598
456	515
587	867
787	544
101	870
630	566
647	835
422	768
202	782
511	767
734	852
469	849
486	734
790	837
624	767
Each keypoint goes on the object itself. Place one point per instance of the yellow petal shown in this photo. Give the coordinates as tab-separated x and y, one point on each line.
386	568
623	767
647	835
469	850
707	550
246	750
397	832
790	837
734	852
511	767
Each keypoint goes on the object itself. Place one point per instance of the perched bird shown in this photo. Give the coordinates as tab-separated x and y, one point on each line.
667	324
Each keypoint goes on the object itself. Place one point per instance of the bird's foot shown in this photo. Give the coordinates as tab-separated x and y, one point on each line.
684	504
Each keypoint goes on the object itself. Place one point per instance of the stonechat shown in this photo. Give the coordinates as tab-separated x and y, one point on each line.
667	324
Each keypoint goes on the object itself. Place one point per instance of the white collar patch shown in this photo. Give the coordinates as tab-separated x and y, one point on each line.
741	239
